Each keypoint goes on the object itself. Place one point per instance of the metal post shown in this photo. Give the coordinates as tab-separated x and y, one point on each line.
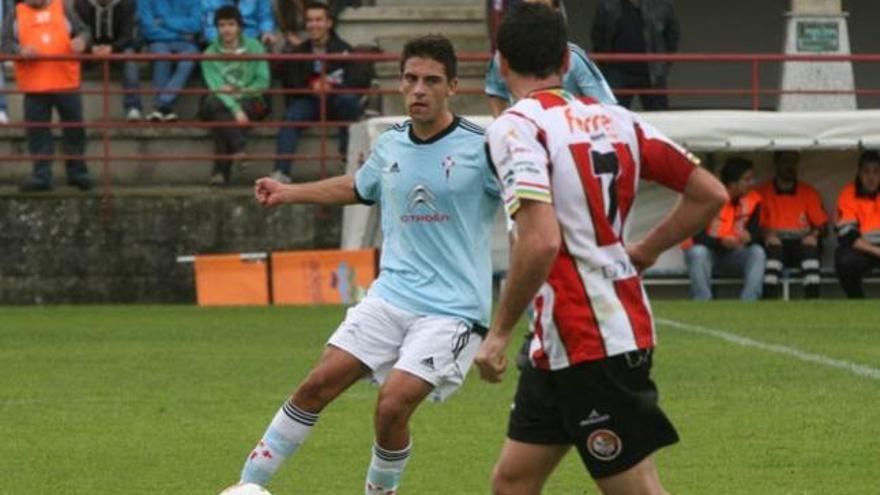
106	178
756	85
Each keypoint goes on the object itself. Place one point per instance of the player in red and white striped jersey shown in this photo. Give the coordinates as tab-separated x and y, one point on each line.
570	169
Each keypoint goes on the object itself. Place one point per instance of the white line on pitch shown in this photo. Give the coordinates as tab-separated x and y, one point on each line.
858	369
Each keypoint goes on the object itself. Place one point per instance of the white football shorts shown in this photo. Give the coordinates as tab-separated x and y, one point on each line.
437	349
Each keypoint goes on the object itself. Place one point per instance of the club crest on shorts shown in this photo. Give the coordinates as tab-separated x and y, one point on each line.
604	445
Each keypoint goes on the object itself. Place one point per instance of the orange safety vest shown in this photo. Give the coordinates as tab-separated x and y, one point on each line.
864	211
47	31
791	215
732	218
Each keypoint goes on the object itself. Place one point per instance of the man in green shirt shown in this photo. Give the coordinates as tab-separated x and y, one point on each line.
237	90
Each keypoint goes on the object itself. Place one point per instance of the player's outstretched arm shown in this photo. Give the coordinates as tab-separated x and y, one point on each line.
534	250
701	199
333	191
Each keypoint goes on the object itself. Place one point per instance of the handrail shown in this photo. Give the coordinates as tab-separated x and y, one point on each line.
106	123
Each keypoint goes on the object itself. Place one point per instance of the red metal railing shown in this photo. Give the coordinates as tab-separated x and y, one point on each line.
753	62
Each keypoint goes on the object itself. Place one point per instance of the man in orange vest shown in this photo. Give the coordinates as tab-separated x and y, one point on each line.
858	226
792	220
732	242
49	27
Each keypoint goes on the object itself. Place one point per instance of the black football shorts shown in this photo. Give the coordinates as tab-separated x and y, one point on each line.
607	409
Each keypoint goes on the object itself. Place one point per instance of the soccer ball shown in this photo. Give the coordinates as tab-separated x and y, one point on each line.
245	489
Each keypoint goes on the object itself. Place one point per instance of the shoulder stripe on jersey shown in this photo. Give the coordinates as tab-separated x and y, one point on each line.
588	64
575	49
402	126
470	126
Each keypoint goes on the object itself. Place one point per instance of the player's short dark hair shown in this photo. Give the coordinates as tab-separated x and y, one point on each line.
868	156
228	12
533	39
734	168
434	47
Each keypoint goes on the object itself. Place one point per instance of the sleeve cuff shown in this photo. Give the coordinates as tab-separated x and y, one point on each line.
362	200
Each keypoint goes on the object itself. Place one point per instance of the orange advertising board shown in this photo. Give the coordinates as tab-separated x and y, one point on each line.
231	280
322	277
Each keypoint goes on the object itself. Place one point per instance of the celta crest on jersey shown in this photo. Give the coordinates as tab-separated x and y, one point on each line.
448	163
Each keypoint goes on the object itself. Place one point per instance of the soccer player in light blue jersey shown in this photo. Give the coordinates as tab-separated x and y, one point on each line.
583	78
419	327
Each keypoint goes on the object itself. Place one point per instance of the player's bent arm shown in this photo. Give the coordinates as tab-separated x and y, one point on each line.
866	247
338	190
536	246
497	105
701	199
537	243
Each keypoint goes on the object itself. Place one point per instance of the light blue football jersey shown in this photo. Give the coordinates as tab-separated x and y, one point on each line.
438	201
582	79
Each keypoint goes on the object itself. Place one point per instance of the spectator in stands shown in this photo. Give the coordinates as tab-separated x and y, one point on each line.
732	242
495	10
338	6
4	117
319	76
237	87
49	27
582	78
858	226
636	26
289	14
258	19
112	26
170	27
792	221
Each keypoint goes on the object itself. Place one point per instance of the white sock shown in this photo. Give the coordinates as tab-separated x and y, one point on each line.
386	469
287	431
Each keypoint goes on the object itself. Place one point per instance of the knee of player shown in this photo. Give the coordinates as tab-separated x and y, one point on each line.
312	395
392	409
504	482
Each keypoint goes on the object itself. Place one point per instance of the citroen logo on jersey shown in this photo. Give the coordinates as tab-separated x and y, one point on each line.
421	195
422	204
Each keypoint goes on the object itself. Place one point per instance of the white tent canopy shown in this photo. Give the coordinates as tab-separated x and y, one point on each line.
700	131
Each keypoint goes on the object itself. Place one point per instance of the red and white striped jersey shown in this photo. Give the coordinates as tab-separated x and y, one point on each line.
586	159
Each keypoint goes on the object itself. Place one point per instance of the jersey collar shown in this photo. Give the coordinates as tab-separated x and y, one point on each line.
557	90
436	137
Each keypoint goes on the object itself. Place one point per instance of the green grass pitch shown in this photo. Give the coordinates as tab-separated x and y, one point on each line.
150	400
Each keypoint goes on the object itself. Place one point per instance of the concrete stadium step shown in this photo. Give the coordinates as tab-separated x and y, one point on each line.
464	43
165	140
365	24
419	3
